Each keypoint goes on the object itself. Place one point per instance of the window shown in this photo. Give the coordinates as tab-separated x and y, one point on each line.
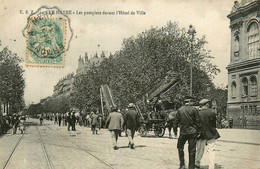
253	88
245	87
250	111
253	40
233	89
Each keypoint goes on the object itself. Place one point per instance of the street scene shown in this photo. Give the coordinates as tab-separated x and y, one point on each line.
130	84
51	146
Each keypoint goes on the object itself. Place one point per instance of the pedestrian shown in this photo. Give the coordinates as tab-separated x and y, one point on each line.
73	122
5	123
41	120
88	120
244	122
208	135
94	123
114	123
187	118
55	119
22	124
69	121
230	122
131	123
59	118
15	123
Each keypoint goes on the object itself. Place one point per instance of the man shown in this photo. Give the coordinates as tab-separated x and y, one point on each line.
208	135
15	123
187	118
59	119
69	121
73	122
115	123
131	123
230	122
94	123
41	119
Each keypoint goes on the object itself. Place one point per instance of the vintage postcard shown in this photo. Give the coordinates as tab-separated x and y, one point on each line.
129	84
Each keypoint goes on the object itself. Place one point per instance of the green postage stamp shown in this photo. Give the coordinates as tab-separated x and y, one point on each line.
46	33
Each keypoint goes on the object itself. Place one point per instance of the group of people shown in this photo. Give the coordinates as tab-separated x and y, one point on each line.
198	127
14	122
116	123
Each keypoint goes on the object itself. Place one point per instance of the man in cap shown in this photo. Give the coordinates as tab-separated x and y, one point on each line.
131	123
208	135
187	118
114	123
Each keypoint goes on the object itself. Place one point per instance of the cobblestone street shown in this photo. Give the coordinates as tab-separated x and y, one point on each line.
51	146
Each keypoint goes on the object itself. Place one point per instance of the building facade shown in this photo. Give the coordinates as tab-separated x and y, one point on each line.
244	68
84	63
65	86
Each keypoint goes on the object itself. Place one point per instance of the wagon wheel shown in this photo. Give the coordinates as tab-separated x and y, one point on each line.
143	130
159	131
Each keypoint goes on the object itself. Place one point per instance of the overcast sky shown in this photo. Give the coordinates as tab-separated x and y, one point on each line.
208	17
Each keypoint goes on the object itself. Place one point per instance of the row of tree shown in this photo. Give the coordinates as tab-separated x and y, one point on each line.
143	62
12	83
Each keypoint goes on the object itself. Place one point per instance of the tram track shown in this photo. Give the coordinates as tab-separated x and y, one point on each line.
90	151
12	152
50	165
82	149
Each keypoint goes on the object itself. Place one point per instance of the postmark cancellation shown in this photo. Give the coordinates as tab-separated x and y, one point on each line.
47	36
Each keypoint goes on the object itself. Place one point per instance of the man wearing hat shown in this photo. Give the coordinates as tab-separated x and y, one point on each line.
187	118
114	123
208	135
131	123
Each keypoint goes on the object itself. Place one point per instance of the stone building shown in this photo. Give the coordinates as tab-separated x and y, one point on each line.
84	64
65	86
244	68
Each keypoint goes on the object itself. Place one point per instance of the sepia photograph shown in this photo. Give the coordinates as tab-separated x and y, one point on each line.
120	84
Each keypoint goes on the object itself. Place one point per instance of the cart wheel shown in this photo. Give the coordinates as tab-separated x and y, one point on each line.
143	131
159	132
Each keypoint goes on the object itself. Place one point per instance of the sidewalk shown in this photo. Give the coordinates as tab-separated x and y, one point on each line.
243	136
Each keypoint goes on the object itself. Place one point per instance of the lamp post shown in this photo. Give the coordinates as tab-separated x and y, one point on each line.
191	33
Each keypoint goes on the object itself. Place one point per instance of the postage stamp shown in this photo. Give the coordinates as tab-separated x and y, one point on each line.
46	33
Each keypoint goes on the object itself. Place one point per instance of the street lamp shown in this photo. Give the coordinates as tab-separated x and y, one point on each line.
191	33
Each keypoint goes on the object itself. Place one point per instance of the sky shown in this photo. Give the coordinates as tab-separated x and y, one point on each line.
106	32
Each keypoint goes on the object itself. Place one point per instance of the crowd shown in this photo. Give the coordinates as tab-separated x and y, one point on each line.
14	122
198	127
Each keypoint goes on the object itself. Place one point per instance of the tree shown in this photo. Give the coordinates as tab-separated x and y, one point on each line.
12	83
144	61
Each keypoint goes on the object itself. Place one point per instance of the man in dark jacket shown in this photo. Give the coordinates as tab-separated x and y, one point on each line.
131	121
187	118
73	121
208	135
